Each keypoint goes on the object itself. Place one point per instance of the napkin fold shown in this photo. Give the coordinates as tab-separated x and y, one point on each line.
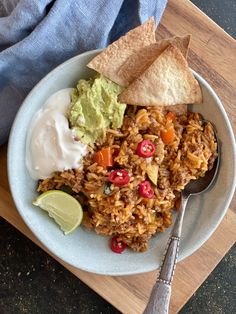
38	35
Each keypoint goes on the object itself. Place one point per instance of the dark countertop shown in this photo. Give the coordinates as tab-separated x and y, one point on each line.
32	282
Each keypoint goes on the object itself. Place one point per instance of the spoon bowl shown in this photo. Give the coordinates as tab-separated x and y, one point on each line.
196	187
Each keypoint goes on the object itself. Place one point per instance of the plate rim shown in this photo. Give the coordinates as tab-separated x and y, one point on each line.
10	149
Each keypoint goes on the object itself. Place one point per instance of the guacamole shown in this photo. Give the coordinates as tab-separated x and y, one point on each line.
94	108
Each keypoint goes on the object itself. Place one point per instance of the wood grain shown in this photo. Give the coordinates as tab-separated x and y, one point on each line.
213	55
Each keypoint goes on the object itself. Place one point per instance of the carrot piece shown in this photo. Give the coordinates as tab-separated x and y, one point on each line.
104	157
170	116
98	158
168	135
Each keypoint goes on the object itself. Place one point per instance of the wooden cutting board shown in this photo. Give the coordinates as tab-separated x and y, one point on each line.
213	55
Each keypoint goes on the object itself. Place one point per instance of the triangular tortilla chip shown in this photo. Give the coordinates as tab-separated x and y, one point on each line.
139	61
167	82
109	61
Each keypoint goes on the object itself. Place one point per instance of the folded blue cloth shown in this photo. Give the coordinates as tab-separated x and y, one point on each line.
37	35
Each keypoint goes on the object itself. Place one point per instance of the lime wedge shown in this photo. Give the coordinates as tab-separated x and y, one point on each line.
62	207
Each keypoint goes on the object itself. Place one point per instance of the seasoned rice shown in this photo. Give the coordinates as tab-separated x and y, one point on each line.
122	211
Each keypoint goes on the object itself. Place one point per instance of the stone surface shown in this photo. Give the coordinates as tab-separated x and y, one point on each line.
33	282
222	12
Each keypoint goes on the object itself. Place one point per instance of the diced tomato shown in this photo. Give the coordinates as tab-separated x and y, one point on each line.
168	135
146	190
104	157
146	149
119	177
117	246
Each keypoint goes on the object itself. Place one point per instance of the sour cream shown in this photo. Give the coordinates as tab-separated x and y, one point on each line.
50	144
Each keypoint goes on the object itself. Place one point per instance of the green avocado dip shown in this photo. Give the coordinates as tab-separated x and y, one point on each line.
94	108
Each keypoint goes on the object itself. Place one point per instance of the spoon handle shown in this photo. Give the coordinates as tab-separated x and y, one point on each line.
160	296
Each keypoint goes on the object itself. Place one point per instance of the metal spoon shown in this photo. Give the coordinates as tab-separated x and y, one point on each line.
160	296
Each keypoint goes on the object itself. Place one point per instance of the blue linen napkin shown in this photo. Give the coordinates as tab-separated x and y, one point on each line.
37	35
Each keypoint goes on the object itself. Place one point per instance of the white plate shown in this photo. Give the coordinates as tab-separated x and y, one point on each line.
84	249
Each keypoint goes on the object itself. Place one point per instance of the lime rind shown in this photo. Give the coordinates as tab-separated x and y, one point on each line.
62	207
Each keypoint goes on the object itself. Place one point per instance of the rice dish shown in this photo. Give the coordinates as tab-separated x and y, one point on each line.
114	210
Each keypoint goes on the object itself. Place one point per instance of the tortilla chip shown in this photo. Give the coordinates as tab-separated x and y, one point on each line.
139	61
167	82
109	61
